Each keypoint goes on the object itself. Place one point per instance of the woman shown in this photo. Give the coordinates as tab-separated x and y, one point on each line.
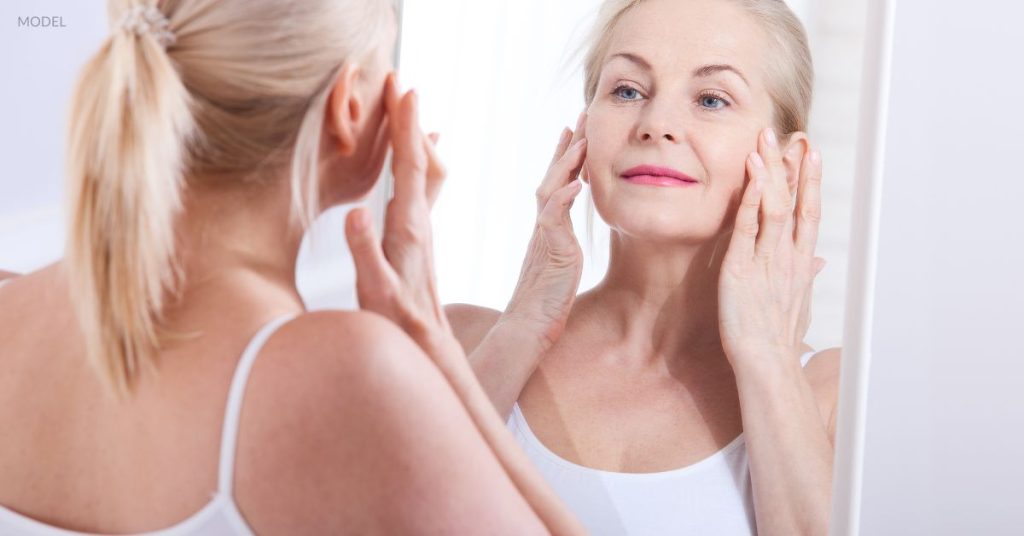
673	397
203	134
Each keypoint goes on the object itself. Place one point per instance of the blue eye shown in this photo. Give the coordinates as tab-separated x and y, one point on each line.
710	101
626	93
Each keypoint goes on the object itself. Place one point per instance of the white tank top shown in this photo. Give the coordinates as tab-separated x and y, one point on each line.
220	516
710	497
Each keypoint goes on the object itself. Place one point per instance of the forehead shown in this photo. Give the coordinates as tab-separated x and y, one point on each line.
675	36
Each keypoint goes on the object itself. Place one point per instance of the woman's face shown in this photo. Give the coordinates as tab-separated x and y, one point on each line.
681	92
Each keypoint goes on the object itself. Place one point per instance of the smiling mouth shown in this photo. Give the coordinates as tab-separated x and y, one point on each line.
658	176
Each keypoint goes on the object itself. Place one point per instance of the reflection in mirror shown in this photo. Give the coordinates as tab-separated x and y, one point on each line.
673	360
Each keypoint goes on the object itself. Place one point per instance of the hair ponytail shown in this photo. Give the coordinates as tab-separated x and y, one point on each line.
129	126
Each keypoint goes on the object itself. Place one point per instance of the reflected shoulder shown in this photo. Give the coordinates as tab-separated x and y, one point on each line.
822	373
470	323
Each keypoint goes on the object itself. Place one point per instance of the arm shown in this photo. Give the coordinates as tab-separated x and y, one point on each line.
788	419
765	290
395	278
504	349
7	275
502	353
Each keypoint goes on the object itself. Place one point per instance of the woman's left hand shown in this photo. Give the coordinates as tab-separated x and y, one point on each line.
769	269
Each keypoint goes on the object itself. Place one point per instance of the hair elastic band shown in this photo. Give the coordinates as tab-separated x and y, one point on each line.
141	20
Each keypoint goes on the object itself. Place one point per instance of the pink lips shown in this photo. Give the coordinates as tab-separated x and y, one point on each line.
658	176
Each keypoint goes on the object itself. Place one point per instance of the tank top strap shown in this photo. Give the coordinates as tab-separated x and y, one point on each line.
236	394
807	357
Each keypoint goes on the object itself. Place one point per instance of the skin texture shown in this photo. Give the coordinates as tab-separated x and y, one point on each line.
348	425
694	334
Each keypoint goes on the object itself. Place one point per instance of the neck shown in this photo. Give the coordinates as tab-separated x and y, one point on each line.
227	234
664	298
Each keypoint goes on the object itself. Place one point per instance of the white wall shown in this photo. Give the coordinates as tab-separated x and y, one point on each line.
945	420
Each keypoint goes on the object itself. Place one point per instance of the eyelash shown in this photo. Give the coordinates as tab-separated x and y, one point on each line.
706	94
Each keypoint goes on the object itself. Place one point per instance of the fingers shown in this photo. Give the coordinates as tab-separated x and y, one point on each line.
558	175
766	166
410	162
744	233
436	171
373	273
554	218
808	207
819	265
563	144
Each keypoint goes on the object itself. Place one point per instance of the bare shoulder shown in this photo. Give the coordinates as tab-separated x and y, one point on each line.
470	323
822	373
348	427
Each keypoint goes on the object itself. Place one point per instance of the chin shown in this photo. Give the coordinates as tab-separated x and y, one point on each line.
663	220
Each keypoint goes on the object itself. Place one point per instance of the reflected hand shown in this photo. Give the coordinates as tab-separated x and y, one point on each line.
769	269
395	275
553	266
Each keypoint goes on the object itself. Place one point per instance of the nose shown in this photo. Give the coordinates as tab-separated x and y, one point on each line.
659	123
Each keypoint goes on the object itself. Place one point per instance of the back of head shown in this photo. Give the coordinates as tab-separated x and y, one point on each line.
186	92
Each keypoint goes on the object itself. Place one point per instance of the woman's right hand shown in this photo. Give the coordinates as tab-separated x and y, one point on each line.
553	266
395	272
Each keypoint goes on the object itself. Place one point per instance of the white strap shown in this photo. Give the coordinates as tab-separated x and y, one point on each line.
229	435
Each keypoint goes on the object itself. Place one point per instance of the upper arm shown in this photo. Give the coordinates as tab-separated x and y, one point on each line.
823	374
349	428
470	323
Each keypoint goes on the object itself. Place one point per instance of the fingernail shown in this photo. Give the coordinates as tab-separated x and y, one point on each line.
756	160
769	136
360	221
815	157
566	132
580	143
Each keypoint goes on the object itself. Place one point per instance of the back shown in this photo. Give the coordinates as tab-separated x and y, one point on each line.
346	426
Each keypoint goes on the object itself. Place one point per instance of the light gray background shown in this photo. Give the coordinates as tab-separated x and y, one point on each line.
945	420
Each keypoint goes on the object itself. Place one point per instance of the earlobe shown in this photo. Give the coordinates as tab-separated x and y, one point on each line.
793	158
344	110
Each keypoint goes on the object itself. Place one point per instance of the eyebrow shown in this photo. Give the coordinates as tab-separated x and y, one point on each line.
708	70
703	71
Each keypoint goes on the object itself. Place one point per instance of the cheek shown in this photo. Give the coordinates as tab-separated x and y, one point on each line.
725	161
607	135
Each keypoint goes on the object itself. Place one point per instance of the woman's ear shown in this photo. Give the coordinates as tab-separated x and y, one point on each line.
793	158
345	110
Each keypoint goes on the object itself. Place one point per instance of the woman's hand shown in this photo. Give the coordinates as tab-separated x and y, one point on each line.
553	266
395	275
769	269
395	278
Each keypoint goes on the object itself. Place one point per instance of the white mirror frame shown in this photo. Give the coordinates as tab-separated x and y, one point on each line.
856	360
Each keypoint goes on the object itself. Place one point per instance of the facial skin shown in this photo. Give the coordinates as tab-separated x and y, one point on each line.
665	98
355	142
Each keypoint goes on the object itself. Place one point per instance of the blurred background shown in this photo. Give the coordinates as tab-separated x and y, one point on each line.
498	79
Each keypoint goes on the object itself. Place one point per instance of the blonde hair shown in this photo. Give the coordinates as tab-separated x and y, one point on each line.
790	69
236	97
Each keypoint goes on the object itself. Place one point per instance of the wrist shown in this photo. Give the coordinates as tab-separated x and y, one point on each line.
766	369
525	332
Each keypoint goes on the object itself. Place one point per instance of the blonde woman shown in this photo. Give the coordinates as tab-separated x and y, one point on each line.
164	375
677	396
